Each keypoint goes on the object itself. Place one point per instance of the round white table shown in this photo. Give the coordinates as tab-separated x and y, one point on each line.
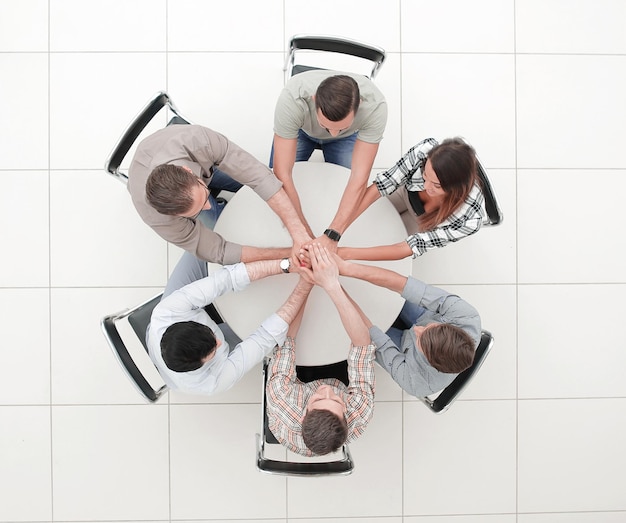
248	220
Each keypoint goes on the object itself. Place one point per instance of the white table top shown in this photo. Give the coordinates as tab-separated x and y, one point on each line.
248	220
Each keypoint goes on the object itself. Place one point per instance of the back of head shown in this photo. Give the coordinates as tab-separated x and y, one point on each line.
168	189
323	432
454	163
185	344
337	96
447	348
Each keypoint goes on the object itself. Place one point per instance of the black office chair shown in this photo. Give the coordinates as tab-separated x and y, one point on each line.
342	466
161	99
441	402
494	214
334	44
139	318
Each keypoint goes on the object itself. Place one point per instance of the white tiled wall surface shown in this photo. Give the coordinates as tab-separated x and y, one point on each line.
537	86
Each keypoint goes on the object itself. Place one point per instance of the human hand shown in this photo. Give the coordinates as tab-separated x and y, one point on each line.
325	271
342	264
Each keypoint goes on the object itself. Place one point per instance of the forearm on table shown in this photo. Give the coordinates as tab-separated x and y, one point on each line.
363	156
251	254
375	275
289	310
350	317
396	251
282	204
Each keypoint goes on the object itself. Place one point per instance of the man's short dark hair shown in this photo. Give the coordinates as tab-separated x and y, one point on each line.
447	348
323	432
185	344
337	96
168	189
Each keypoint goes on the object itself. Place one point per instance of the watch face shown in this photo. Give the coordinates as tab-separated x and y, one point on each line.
284	265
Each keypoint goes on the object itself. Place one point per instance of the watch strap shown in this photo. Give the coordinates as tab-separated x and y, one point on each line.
332	234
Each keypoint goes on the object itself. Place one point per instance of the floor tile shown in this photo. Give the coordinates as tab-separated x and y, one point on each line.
482	518
84	368
580	250
204	99
572	517
26	464
88	113
213	449
561	358
342	22
24	133
377	454
550	114
133	255
25	263
237	30
451	460
569	455
590	27
110	463
109	25
481	110
25	347
24	26
491	29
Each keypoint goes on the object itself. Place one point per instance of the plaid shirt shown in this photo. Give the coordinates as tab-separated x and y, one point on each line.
409	172
287	396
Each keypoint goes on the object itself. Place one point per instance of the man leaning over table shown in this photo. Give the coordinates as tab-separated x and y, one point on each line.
318	416
170	178
194	354
345	115
433	339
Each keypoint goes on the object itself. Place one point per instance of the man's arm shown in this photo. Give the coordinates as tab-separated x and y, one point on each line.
372	274
325	273
282	205
396	251
363	157
284	158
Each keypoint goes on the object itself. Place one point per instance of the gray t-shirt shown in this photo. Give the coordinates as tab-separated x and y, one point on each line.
295	108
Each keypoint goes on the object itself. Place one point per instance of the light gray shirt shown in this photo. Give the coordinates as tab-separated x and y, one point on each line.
227	366
407	364
295	109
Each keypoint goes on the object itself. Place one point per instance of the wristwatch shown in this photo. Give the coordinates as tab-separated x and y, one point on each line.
333	234
285	263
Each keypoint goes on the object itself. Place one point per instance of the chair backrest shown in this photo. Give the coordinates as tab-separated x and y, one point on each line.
138	317
333	44
494	214
342	466
447	396
124	144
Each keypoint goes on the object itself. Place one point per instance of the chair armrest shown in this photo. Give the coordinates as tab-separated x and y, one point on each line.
491	204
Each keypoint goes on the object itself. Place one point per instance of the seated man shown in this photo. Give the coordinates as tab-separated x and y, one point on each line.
169	180
434	337
189	349
318	417
345	115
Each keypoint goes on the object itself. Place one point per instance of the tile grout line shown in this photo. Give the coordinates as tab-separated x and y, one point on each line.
516	266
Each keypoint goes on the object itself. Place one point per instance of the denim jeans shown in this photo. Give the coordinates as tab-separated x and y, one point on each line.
335	150
406	319
223	182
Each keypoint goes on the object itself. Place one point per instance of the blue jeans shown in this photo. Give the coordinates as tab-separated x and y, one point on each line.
222	182
406	319
335	150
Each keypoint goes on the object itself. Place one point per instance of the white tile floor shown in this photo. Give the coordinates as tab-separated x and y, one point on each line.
536	85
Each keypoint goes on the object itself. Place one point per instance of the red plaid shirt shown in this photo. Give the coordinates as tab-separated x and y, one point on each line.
287	396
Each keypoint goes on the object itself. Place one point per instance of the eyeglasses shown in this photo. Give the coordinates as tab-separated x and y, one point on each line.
208	193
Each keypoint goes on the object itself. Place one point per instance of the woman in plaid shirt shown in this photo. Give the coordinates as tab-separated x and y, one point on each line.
437	192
